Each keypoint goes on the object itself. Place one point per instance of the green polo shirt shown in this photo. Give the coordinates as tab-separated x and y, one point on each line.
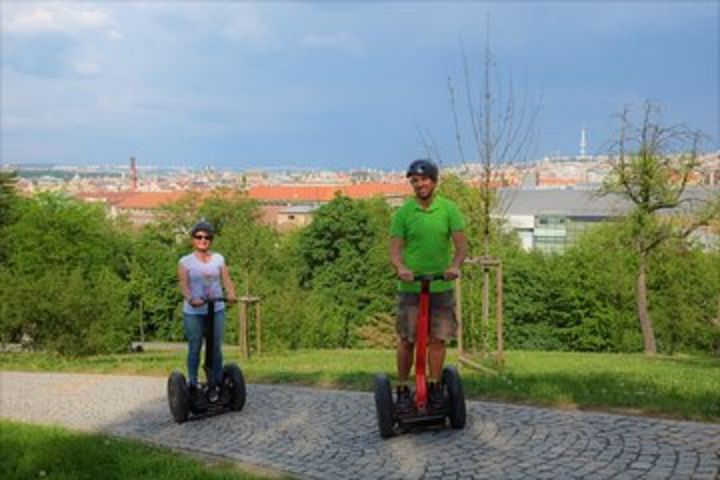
428	239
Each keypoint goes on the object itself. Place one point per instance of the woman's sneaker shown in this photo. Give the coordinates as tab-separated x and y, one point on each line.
193	389
214	394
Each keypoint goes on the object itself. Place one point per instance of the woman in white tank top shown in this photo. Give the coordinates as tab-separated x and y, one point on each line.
203	275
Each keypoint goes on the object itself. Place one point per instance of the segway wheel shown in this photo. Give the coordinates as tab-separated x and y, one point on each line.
384	405
236	386
456	397
178	396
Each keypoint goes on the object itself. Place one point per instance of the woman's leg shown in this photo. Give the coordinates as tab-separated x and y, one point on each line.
193	333
217	344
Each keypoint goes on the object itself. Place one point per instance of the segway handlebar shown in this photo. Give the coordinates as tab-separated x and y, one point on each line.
429	277
214	299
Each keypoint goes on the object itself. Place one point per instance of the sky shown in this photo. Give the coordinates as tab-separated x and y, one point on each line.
339	85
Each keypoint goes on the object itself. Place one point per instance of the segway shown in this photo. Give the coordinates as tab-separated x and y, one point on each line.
206	400
390	418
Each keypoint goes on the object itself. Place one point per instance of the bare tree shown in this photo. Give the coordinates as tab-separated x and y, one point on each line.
651	166
501	132
493	129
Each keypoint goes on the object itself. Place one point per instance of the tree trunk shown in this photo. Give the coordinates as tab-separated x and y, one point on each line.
486	283
485	310
642	307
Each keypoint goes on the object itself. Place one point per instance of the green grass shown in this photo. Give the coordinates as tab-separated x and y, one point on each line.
683	386
31	451
686	387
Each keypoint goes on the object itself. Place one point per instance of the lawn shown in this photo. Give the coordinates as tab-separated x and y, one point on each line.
31	451
682	386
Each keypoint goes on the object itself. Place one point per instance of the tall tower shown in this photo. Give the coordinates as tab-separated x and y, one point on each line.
133	174
583	142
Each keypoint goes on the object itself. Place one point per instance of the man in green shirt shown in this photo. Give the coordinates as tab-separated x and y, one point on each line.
422	232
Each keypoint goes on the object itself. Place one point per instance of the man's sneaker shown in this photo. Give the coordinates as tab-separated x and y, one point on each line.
437	396
403	401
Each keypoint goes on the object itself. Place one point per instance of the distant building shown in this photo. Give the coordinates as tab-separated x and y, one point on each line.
284	206
551	220
295	216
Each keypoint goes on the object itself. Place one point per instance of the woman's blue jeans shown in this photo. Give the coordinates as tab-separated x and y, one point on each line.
194	334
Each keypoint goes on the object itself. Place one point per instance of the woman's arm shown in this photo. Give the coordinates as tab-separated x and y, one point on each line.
184	283
228	284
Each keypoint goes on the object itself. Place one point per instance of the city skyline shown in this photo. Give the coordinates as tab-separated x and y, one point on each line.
334	86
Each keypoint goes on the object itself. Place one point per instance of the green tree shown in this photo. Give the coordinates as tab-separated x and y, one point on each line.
246	245
63	282
343	258
173	221
69	311
469	200
8	206
53	230
651	167
685	296
596	284
152	285
8	197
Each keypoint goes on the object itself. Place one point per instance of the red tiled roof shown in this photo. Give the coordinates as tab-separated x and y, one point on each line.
293	193
325	193
366	190
261	193
150	200
111	198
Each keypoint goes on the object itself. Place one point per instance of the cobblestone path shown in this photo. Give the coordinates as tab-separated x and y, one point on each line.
328	434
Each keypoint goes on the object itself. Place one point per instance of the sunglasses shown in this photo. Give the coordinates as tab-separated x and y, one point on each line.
417	180
203	237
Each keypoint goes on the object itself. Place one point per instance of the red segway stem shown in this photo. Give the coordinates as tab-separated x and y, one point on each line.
421	336
422	332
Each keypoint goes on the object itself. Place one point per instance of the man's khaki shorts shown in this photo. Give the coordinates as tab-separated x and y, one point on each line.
443	320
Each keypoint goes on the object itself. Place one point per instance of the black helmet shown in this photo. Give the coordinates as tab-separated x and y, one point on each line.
202	226
423	167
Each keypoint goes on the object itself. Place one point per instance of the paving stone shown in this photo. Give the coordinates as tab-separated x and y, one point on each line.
325	434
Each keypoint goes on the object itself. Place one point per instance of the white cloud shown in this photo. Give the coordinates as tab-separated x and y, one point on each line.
338	41
63	18
247	26
235	22
85	67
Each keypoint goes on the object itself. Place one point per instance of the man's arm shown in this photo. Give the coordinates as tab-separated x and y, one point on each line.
461	248
396	248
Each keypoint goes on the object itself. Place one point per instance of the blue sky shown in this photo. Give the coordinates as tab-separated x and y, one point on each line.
332	84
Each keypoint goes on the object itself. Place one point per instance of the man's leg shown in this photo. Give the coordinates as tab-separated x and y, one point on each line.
436	359
405	351
443	328
404	364
405	328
